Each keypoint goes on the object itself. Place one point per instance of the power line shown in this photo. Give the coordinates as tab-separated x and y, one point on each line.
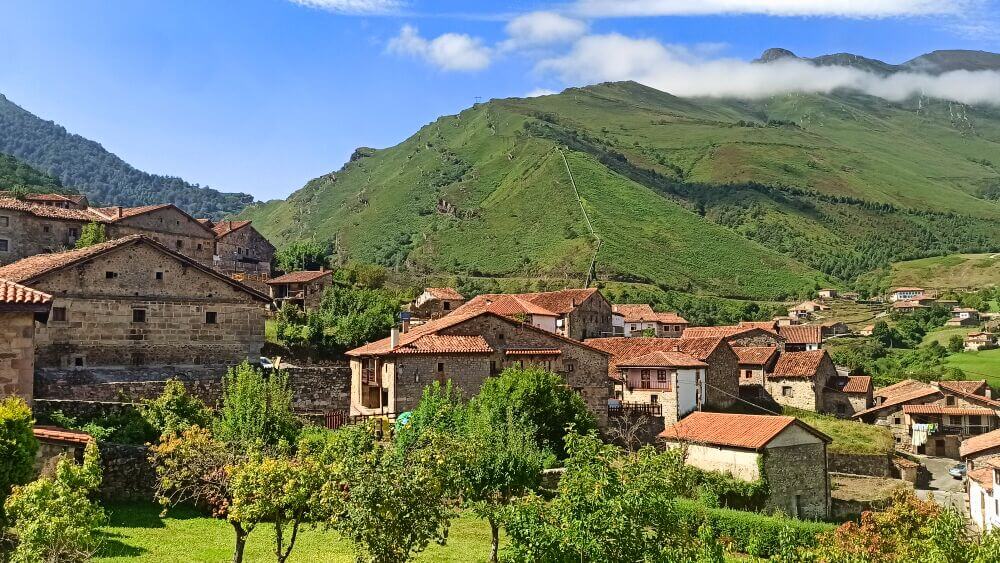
590	226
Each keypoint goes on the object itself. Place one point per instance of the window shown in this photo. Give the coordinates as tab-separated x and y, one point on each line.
440	367
138	315
644	378
897	421
786	391
211	317
447	305
74	232
949	400
180	244
5	222
46	229
78	361
58	314
199	246
661	376
570	366
975	420
4	245
110	275
747	374
159	276
841	409
654	399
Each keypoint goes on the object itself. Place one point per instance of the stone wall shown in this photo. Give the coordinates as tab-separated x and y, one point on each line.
591	319
872	465
127	473
797	477
17	355
27	234
802	392
722	377
243	250
171	228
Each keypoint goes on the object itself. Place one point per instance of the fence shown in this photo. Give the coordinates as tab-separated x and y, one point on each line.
651	409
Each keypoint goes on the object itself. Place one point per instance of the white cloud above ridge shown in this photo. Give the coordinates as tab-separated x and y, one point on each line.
674	69
353	6
536	29
448	52
786	8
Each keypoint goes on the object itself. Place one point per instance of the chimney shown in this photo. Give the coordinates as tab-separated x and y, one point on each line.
405	326
989	392
118	212
394	338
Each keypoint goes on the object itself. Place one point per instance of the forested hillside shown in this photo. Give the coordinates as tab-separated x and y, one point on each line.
15	173
106	179
739	198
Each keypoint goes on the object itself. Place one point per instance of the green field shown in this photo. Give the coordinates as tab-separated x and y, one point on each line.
955	271
137	534
978	365
849	437
942	335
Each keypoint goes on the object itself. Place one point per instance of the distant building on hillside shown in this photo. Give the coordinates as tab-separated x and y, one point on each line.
976	341
906	294
436	302
828	293
303	289
963	316
640	319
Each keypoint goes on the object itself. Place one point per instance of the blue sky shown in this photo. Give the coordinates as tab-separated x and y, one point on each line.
262	95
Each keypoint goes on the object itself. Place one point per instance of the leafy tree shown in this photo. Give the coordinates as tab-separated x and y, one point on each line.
91	234
370	276
302	255
176	410
540	400
347	317
256	409
956	344
882	334
53	518
19	192
18	446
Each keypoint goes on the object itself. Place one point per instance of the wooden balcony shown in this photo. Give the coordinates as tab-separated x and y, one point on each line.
648	409
651	384
370	376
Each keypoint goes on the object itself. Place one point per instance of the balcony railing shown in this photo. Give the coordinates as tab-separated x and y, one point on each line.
301	294
371	376
621	409
652	384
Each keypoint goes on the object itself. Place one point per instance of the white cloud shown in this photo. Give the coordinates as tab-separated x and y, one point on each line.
540	92
450	51
827	8
353	6
673	69
536	29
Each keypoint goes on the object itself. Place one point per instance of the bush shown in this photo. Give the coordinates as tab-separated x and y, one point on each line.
176	410
256	409
123	427
756	534
18	446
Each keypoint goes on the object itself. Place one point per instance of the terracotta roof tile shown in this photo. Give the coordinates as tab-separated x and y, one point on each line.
34	266
755	355
664	359
984	477
900	393
637	313
938	409
857	384
700	348
798	364
562	301
446	293
975	387
975	444
303	276
729	331
907	289
16	294
445	344
746	431
624	349
801	334
48	211
223	228
56	434
506	304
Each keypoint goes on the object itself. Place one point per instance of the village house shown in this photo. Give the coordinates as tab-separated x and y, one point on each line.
827	293
577	313
867	330
905	294
984	496
436	302
63	201
801	338
20	308
786	321
721	383
303	289
467	347
642	320
847	395
669	384
241	250
977	449
743	334
754	362
133	303
963	316
788	453
799	379
805	309
834	328
908	306
933	418
976	341
27	229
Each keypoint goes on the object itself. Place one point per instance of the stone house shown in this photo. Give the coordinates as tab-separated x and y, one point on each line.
908	306
665	384
133	303
834	328
743	334
388	376
55	442
983	490
721	384
302	289
241	249
27	229
578	313
754	363
799	379
801	338
20	308
638	319
789	453
515	307
906	294
976	341
844	396
436	302
977	449
64	201
827	293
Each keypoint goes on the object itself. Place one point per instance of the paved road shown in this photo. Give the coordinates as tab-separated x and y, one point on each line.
946	489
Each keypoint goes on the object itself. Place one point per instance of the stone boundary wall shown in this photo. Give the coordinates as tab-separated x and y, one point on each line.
128	475
315	388
858	464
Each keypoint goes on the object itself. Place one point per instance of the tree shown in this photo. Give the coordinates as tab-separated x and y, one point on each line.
956	344
18	446
53	518
176	410
302	255
882	334
91	234
540	400
256	410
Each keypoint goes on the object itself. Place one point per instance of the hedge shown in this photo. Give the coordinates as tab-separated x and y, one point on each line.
752	533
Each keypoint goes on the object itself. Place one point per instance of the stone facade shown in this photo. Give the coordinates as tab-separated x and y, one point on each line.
722	376
845	405
431	305
172	228
798	477
24	234
242	249
17	354
402	378
795	392
304	294
589	319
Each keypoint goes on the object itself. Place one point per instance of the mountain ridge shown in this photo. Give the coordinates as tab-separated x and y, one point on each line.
934	62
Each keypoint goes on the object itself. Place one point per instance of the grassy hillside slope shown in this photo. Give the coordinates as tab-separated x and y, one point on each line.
725	197
949	272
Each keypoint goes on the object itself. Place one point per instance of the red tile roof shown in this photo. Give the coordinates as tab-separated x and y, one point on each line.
975	387
505	304
48	211
976	444
446	293
624	349
798	364
445	344
533	352
637	313
801	334
562	301
663	359
745	431
907	289
16	294
223	228
62	435
303	276
857	384
982	476
700	348
755	355
730	331
938	409
900	393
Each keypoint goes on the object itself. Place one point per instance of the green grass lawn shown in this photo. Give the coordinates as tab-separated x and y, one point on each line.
978	365
136	533
942	335
951	271
849	437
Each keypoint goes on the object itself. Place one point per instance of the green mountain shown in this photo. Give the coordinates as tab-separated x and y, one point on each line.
759	199
14	173
85	165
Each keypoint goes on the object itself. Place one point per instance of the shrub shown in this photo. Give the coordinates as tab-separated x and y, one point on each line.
756	534
123	427
256	409
176	410
92	233
18	446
